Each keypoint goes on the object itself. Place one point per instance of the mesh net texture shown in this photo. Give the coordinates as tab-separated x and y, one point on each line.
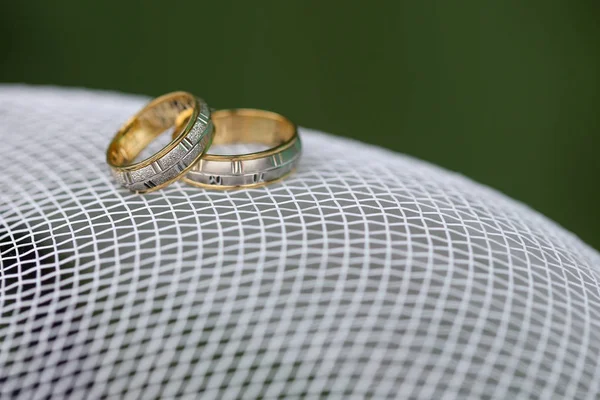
365	274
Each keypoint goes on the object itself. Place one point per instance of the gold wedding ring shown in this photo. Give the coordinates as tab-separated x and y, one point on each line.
190	141
237	171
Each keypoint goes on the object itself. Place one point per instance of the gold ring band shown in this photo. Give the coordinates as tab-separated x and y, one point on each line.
190	141
237	171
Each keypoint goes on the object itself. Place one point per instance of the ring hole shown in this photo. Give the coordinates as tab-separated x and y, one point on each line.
150	131
246	131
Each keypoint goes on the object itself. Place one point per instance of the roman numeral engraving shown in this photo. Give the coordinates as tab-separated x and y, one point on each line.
198	166
256	178
203	118
236	167
156	167
187	144
277	159
215	180
180	166
149	184
127	178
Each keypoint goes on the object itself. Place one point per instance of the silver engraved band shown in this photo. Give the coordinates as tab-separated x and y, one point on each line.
254	169
190	142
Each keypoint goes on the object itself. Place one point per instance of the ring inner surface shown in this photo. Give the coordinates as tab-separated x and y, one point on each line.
142	129
251	126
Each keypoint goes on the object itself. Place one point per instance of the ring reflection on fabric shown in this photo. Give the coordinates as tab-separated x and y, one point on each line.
215	171
190	141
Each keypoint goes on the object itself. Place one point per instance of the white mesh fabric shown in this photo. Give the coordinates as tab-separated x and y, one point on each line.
366	273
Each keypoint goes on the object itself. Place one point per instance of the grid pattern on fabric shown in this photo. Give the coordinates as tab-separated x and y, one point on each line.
365	274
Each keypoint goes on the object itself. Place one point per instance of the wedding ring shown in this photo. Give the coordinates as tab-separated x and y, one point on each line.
237	126
190	141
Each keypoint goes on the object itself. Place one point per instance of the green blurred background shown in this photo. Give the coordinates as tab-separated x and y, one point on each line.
505	92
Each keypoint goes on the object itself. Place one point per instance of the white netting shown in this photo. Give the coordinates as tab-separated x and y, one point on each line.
366	273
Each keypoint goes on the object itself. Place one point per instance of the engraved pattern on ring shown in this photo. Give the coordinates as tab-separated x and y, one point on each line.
175	161
237	172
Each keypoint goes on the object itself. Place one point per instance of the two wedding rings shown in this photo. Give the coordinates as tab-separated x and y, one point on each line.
194	128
